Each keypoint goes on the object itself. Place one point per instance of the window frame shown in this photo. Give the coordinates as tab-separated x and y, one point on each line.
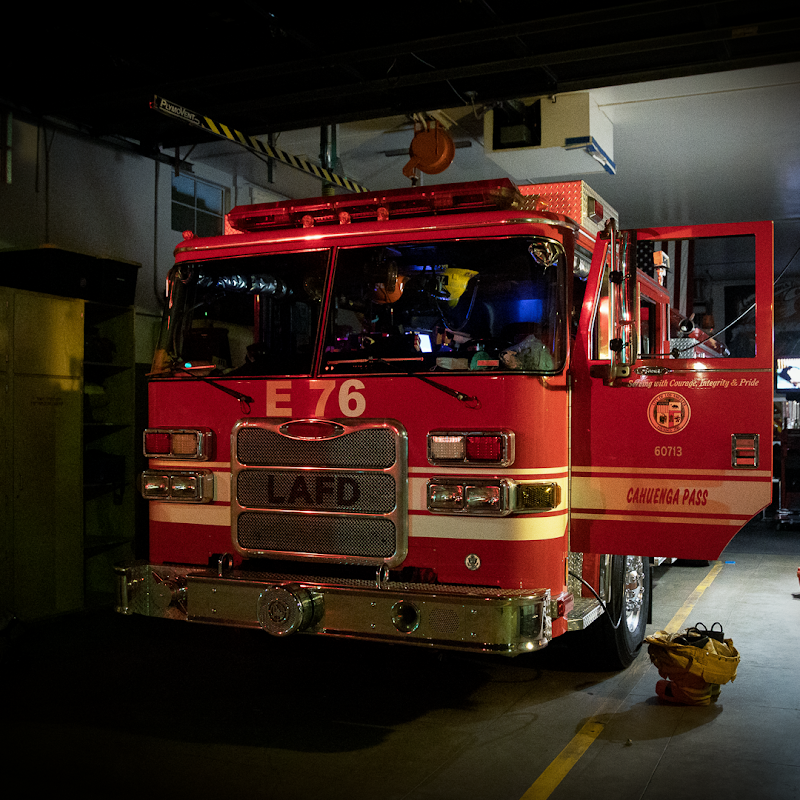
194	208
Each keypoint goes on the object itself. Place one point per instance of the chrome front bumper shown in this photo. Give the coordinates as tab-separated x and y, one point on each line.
449	617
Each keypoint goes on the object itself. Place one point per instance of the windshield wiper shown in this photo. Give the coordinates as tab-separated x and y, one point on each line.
470	401
244	400
467	399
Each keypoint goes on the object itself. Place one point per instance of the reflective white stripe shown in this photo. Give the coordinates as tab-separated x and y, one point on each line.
672	471
167	463
650	497
639	518
191	513
487	472
417	494
501	529
222	487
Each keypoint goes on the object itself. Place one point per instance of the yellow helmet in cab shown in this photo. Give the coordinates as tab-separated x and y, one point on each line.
454	282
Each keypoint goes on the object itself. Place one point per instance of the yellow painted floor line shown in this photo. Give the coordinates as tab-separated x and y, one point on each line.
676	623
558	769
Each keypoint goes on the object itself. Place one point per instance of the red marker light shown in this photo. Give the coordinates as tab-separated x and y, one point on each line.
481	448
484	448
193	444
157	443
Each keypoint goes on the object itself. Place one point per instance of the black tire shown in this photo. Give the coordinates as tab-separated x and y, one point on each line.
616	648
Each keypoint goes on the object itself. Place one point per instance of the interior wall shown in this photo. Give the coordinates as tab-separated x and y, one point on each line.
105	200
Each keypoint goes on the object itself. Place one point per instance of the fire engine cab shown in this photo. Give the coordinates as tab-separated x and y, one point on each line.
463	416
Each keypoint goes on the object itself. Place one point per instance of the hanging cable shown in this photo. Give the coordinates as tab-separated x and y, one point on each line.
614	625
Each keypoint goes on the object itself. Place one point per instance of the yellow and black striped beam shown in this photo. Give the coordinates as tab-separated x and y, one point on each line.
251	143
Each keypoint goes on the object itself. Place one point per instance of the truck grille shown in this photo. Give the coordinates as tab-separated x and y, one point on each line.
370	492
371	447
342	498
292	534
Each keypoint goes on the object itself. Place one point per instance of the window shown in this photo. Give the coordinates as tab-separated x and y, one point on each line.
711	284
697	299
469	304
244	316
196	206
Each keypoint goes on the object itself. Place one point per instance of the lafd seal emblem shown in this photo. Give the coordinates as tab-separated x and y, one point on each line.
669	412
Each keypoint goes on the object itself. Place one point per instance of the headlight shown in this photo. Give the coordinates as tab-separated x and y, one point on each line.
498	497
184	486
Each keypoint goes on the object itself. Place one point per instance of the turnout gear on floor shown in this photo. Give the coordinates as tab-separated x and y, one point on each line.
694	663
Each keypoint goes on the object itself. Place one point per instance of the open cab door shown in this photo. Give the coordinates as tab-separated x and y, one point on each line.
672	376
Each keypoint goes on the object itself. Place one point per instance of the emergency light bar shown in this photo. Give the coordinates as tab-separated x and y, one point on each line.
490	195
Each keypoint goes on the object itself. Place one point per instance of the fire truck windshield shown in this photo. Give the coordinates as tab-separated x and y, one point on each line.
245	316
471	304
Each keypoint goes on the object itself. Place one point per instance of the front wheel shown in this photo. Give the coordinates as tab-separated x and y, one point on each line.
617	647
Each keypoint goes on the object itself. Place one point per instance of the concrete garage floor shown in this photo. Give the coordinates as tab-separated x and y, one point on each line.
131	707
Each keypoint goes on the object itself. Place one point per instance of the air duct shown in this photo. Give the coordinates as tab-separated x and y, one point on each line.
547	137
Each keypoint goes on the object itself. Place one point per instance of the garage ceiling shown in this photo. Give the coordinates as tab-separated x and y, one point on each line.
286	69
266	67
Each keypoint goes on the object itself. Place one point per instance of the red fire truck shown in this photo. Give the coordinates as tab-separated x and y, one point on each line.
463	416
